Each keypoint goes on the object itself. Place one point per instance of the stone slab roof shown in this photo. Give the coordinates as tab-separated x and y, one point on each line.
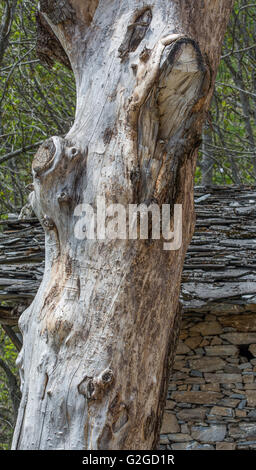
219	267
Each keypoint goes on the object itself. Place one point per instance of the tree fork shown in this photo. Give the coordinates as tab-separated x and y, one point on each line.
100	336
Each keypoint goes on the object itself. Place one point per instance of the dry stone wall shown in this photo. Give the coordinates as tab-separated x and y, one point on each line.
211	401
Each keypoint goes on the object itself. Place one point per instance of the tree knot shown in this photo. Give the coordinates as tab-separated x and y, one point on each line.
43	157
48	223
93	388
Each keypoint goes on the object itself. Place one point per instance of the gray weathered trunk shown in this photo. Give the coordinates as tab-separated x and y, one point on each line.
101	332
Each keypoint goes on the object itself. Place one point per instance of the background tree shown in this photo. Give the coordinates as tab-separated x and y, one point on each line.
37	98
32	106
228	153
9	391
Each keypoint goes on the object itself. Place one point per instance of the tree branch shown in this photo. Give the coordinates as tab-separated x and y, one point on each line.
13	337
12	386
17	152
5	27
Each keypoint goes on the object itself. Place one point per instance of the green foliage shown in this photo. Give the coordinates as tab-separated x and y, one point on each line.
35	102
8	354
231	146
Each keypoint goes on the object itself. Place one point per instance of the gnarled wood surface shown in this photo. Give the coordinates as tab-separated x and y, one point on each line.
101	332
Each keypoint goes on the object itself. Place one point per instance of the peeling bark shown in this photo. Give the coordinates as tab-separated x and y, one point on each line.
100	335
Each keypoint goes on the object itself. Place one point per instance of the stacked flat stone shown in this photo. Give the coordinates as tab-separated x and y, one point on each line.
212	393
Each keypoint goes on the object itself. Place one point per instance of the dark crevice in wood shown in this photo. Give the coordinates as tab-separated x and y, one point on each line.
46	380
136	32
49	48
57	10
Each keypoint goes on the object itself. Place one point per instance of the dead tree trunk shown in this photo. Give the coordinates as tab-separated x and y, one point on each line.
101	332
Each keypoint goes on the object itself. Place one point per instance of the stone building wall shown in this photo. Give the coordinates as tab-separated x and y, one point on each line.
212	393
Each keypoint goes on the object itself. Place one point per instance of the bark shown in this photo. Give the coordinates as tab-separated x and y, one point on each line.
100	335
207	161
